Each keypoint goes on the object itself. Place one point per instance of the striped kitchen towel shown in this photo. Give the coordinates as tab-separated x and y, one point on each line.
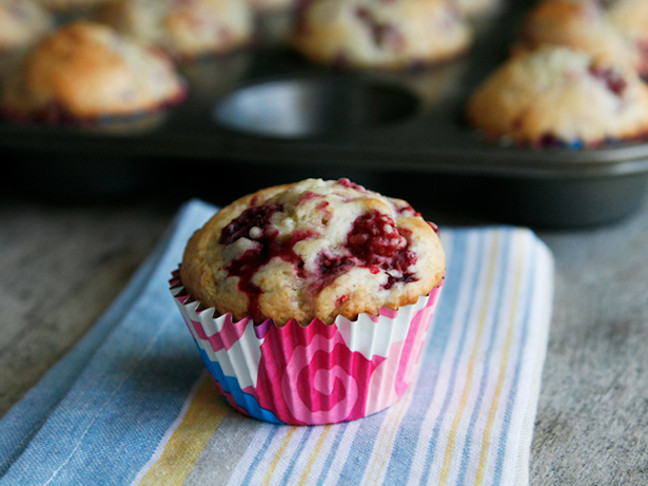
132	404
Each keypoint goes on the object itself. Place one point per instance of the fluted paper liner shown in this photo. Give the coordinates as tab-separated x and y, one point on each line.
314	374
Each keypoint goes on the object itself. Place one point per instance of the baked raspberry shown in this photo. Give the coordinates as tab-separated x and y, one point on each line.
351	185
332	265
383	34
243	226
374	238
611	77
377	242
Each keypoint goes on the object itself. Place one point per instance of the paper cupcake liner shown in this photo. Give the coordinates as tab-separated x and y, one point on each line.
315	374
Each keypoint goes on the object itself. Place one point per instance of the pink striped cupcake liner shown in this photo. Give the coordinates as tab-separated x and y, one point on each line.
314	374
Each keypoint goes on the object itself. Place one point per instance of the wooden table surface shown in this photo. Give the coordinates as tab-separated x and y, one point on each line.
63	264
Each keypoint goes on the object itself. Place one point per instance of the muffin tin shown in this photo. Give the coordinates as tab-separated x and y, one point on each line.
268	114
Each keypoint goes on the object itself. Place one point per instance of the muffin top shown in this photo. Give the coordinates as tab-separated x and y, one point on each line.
556	96
580	24
21	23
84	71
312	249
391	34
184	29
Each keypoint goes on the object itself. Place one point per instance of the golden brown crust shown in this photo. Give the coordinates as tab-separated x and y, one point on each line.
88	71
558	94
317	269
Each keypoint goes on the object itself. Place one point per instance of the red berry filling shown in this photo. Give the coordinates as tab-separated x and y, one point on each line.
375	239
255	217
612	78
254	223
382	34
374	242
351	185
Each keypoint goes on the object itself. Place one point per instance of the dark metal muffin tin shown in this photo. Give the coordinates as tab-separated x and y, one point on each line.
266	115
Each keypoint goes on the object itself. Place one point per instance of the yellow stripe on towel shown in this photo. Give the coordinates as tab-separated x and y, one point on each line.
187	442
485	443
277	457
305	476
461	407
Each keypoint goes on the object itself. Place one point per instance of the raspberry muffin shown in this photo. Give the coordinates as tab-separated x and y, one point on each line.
580	24
186	29
85	72
558	96
22	22
391	34
310	302
316	249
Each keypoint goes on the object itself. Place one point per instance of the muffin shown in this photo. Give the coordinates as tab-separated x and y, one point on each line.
85	72
22	22
295	288
580	24
185	30
390	34
556	96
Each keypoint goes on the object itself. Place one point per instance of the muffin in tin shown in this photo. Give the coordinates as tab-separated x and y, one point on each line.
390	34
580	24
186	30
84	72
310	302
557	96
22	22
